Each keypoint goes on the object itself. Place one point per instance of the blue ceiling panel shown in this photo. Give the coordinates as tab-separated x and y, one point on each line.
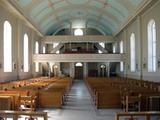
105	15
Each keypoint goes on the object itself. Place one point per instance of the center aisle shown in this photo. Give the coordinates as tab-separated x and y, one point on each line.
79	106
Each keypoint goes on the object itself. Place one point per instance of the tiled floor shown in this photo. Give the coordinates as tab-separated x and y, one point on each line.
79	106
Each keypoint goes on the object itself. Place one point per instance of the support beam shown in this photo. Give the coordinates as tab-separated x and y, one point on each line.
58	47
70	38
99	47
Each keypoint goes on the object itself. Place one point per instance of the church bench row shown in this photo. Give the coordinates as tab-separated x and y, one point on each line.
137	115
113	92
15	115
49	92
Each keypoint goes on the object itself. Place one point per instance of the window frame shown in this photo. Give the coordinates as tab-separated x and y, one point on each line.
7	46
132	52
25	53
152	60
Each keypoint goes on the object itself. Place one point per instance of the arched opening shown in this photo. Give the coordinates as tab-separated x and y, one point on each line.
102	70
78	32
79	70
55	70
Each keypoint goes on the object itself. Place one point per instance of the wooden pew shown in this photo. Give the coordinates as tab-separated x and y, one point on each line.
6	102
108	99
16	114
134	115
129	90
50	92
27	103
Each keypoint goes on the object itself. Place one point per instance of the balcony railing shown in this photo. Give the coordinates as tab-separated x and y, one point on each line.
78	57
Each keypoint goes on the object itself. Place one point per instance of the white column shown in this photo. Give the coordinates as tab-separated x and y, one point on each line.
85	70
57	71
140	48
125	51
108	71
72	70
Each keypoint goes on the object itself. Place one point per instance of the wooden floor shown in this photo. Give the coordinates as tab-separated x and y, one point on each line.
79	106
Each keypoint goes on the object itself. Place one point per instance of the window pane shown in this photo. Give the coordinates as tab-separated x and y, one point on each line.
79	64
121	47
36	48
7	47
78	32
114	49
132	53
25	53
151	46
44	50
121	67
37	67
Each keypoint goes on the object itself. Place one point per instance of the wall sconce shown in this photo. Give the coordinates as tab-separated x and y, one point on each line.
128	66
144	63
0	65
158	63
14	66
136	66
21	68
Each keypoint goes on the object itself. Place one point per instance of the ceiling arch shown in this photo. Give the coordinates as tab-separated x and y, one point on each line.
50	15
91	24
104	21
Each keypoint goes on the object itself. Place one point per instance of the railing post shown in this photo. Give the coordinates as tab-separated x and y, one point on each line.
116	116
45	117
15	116
147	117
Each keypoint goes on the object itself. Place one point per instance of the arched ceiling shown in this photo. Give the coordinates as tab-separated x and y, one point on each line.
51	15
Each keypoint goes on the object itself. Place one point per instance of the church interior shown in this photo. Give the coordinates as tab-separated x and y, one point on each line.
79	59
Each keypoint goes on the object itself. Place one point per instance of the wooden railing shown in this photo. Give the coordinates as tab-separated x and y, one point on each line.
134	115
16	114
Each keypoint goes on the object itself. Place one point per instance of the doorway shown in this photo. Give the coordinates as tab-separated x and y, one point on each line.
102	70
78	71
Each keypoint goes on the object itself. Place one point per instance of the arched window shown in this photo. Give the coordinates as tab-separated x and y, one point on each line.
78	32
132	52
44	50
121	51
25	53
79	64
36	52
151	46
7	47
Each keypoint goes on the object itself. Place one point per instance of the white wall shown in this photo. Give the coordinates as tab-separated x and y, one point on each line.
19	28
139	27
